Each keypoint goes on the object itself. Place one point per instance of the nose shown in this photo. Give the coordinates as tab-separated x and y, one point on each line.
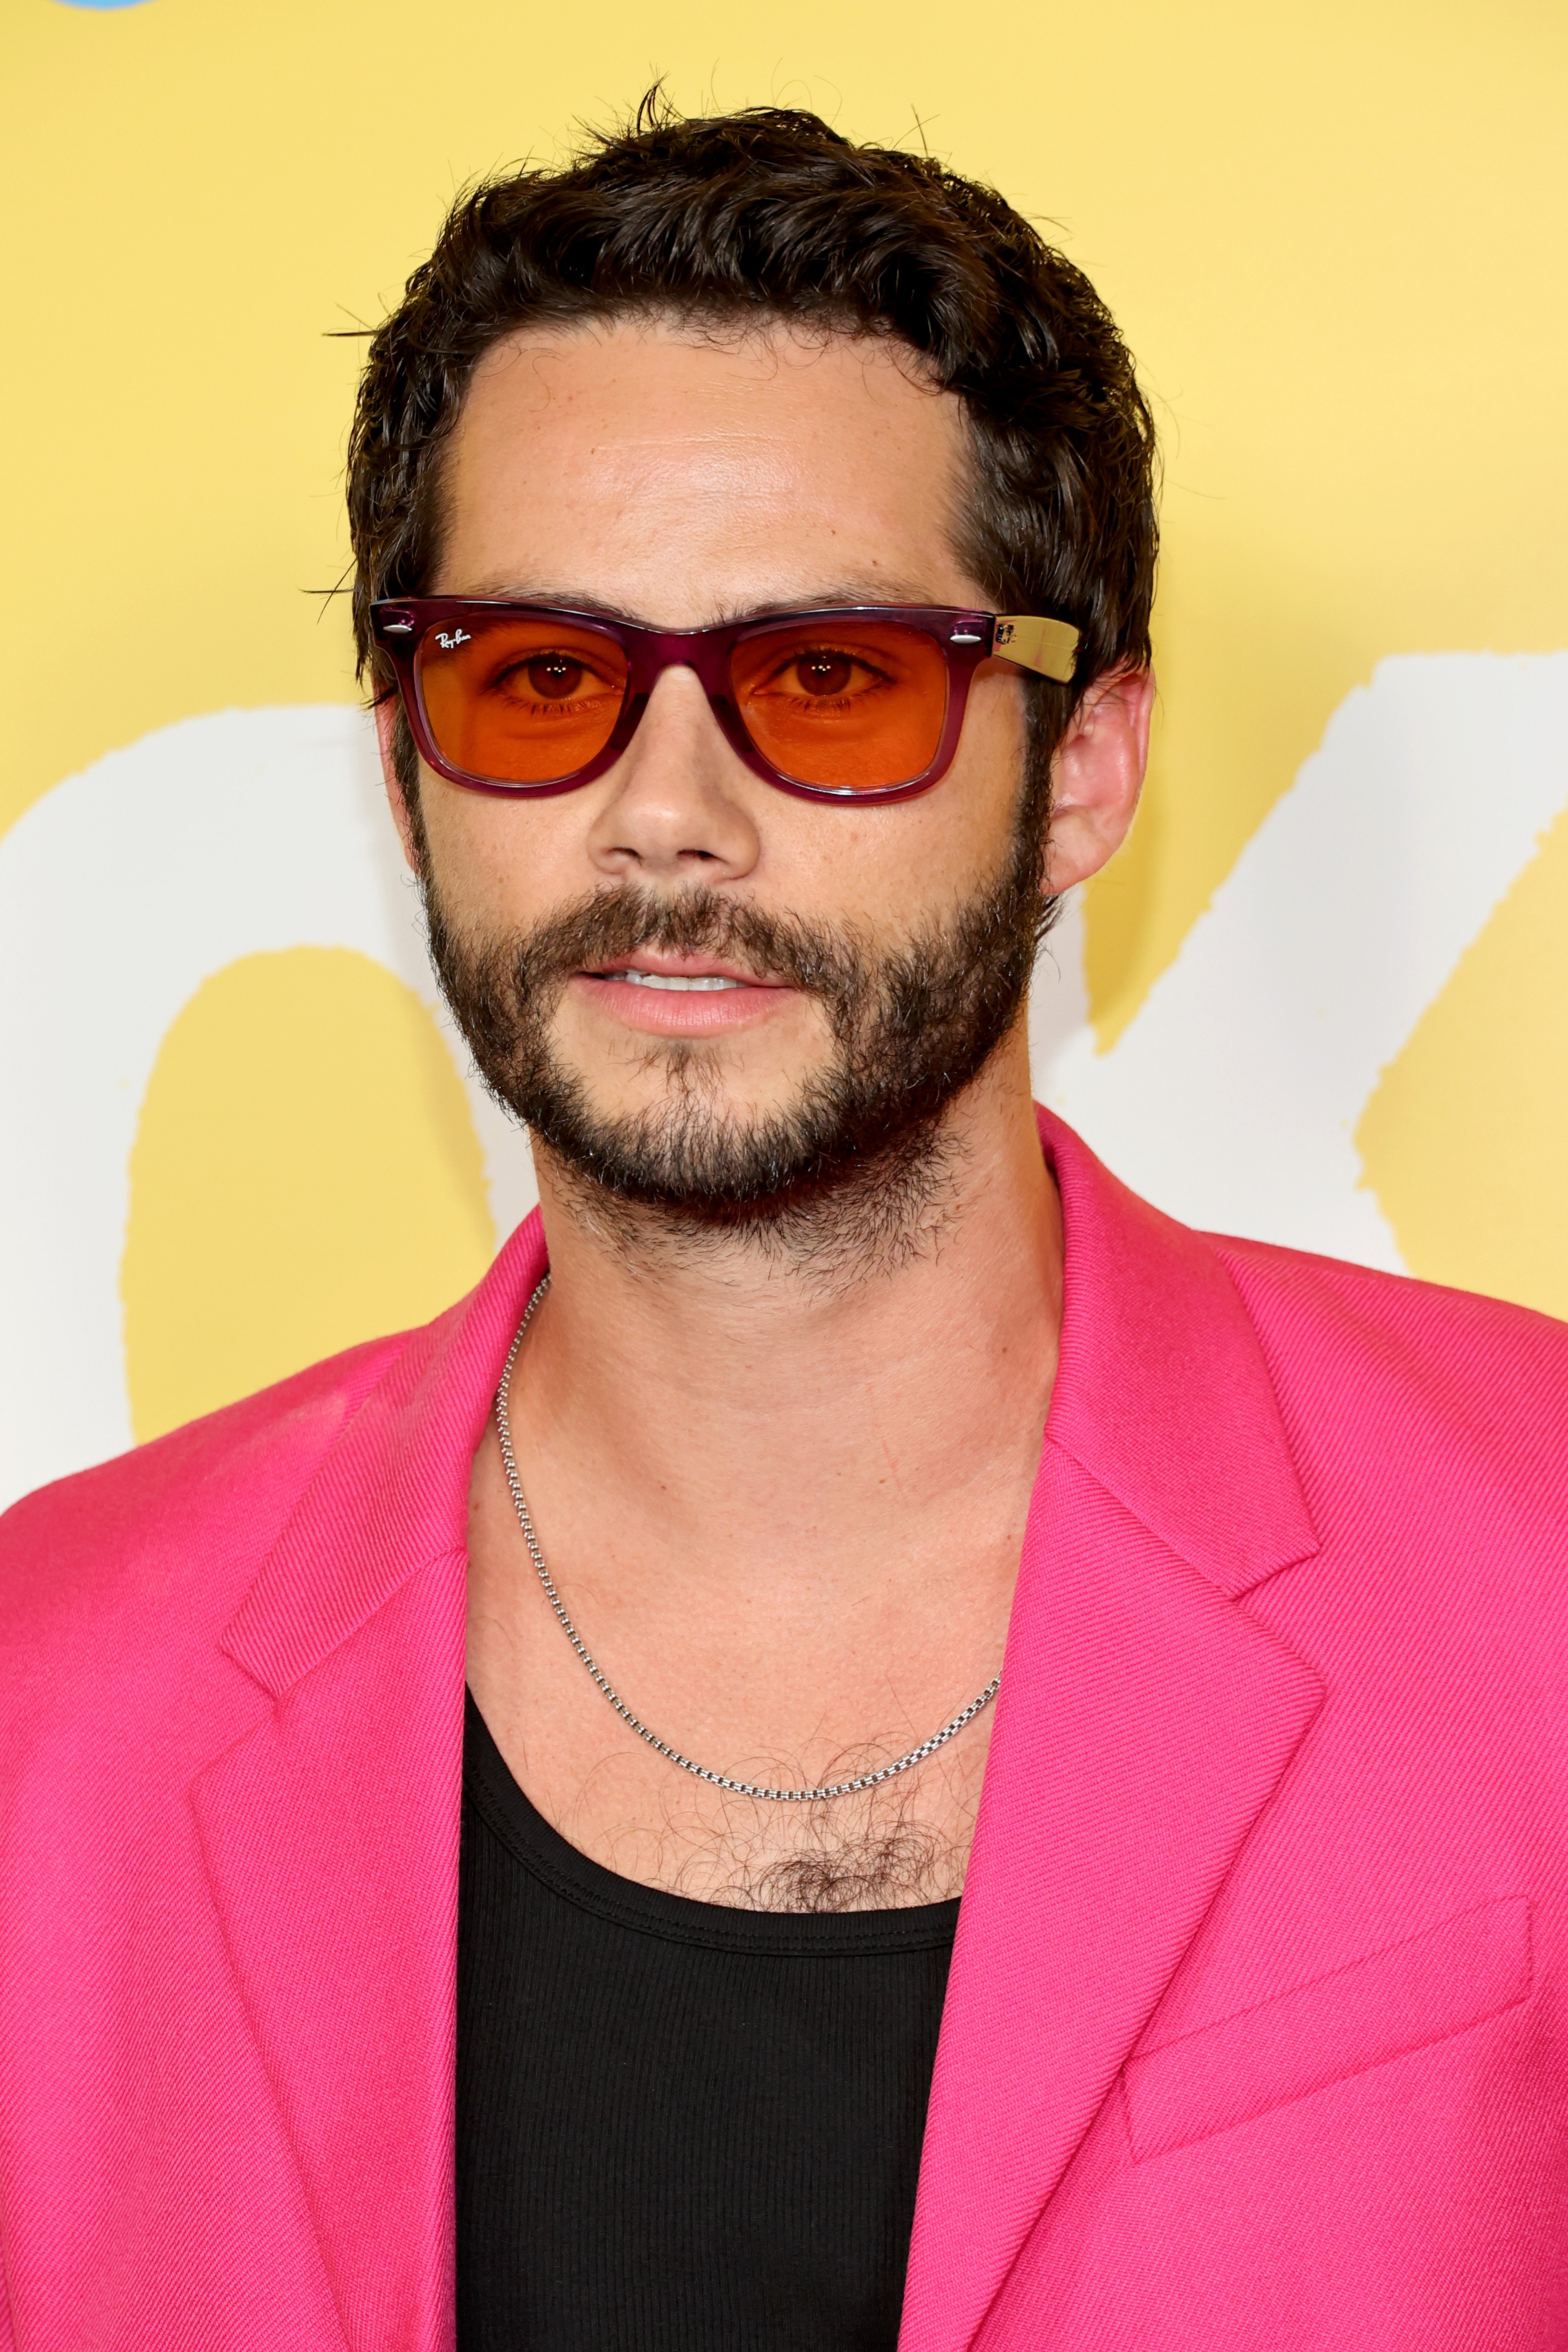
680	804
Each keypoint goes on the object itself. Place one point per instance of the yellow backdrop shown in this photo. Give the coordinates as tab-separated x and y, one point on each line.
1333	234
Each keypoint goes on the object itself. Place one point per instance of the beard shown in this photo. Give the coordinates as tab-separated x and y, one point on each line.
850	1174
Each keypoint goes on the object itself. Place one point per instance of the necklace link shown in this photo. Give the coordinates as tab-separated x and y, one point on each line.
698	1771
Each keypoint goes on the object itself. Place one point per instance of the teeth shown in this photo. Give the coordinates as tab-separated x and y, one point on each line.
674	979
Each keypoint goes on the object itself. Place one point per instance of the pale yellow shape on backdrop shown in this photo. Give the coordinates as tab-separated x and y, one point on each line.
1331	235
305	1174
1466	1139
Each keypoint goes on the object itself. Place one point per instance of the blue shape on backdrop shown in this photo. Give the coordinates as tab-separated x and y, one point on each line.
102	3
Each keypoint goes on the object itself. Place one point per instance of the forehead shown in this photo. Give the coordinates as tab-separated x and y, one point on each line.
676	474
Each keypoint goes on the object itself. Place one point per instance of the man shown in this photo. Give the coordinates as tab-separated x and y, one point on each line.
754	546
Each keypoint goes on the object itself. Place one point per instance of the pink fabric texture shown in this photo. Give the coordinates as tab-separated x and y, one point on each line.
1254	2033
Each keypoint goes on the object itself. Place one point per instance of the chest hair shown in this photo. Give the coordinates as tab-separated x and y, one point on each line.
879	1849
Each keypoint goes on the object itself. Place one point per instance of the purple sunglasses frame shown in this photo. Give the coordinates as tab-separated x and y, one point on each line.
400	626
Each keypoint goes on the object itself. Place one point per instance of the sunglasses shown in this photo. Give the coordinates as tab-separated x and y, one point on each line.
861	702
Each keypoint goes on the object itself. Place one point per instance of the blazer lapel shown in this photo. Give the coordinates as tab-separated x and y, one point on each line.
331	1829
1144	1722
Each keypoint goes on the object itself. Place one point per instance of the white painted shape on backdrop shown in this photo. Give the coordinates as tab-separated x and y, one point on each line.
1232	1098
121	892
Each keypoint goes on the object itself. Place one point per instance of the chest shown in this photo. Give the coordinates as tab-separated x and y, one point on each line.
645	1710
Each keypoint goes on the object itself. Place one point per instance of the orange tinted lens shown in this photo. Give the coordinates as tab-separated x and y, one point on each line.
853	708
520	701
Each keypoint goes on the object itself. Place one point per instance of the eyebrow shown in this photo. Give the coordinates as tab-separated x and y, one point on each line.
850	591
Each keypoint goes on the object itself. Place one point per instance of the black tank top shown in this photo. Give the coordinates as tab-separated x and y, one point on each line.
680	2127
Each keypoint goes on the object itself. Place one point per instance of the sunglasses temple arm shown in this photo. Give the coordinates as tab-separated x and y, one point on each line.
1048	646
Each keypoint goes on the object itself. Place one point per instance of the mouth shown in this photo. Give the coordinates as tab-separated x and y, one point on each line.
673	980
681	995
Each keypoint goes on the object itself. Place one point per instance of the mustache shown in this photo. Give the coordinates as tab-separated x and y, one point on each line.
606	927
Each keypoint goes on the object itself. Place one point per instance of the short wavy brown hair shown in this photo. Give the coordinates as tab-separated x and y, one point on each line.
737	220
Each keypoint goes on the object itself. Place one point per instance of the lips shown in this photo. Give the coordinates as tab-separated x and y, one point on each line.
677	995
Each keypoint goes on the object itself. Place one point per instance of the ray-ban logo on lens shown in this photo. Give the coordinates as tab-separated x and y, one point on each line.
449	644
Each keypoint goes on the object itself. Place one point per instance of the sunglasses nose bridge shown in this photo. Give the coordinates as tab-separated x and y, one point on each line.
712	679
706	653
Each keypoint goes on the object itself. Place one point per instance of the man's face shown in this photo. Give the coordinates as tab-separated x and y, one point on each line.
881	950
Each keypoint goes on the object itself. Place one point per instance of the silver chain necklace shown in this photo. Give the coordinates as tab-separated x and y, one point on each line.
699	1772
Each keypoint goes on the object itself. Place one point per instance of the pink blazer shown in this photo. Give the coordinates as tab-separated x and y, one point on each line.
1254	2035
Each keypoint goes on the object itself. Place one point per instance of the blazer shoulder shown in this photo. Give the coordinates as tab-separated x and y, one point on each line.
1359	1351
199	1506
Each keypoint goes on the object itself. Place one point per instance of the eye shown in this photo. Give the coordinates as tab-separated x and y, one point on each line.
824	674
551	680
554	677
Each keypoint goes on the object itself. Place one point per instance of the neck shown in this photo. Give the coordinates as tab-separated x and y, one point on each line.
733	1391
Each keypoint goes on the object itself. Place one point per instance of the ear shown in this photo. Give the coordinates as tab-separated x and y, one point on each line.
386	710
1097	776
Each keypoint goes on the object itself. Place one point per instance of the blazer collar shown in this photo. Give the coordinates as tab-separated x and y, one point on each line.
1162	1391
1161	1395
394	1492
